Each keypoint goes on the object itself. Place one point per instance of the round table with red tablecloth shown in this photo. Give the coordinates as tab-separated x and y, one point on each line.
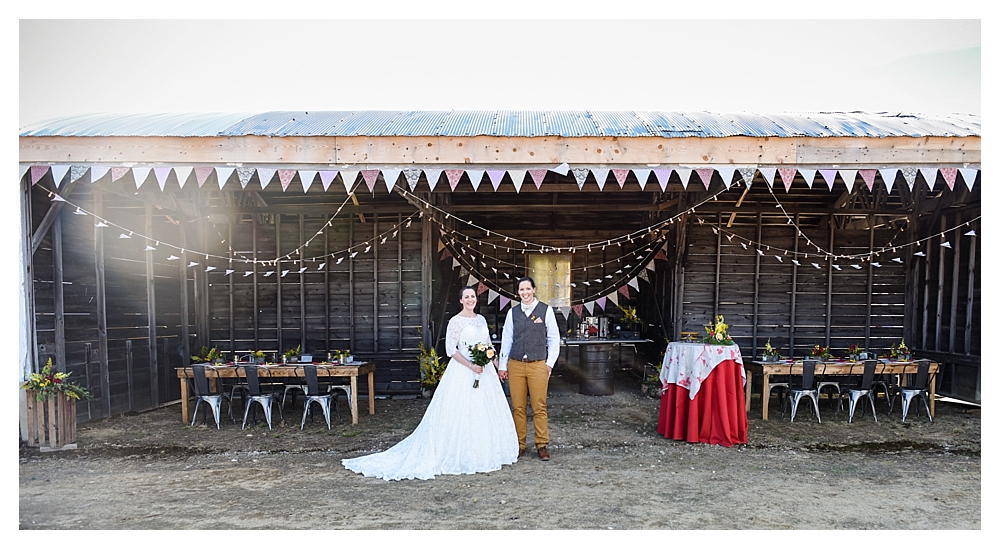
703	398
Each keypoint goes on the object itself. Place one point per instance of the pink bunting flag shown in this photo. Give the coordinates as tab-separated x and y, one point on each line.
537	176
496	176
201	174
285	177
787	176
481	288
663	177
327	177
869	177
602	302
38	172
624	291
829	176
370	176
116	173
620	176
578	309
503	302
660	255
949	175
454	176
706	176
445	253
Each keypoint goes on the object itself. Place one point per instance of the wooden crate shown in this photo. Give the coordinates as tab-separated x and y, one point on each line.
51	423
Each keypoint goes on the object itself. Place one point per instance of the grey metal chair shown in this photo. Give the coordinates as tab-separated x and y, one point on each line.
824	382
806	388
212	400
314	395
862	390
266	400
912	388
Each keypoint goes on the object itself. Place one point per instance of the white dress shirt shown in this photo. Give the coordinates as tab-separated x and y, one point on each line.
551	334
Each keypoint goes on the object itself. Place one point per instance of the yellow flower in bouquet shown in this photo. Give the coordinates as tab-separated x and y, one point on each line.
482	354
719	333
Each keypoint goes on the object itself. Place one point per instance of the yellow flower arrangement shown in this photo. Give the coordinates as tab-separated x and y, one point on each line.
718	334
48	383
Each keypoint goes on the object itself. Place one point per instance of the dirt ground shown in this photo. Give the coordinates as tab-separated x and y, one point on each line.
609	470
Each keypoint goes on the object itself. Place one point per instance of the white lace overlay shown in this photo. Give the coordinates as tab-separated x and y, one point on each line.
463	431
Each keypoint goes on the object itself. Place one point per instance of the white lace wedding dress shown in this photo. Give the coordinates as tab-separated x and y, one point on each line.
464	430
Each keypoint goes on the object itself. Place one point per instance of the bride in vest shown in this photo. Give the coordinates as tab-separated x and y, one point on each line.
467	427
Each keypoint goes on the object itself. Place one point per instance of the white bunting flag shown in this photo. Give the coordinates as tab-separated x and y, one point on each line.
809	175
326	177
455	263
634	283
284	273
475	177
590	307
223	173
768	174
140	175
245	173
491	296
76	172
930	177
432	176
726	173
517	176
472	281
651	265
613	297
59	172
601	175
349	177
182	173
390	177
247	273
306	177
97	172
642	175
888	177
969	176
910	176
321	265
816	265
685	175
849	176
561	169
230	271
209	268
265	175
581	176
193	264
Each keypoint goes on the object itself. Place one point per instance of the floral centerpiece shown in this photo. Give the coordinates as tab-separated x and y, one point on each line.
257	357
292	355
770	353
208	355
820	352
900	350
854	351
717	334
482	354
48	384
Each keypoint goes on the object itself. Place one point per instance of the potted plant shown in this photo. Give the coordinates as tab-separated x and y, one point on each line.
51	408
900	351
652	386
854	352
292	355
212	355
431	370
770	353
631	324
820	352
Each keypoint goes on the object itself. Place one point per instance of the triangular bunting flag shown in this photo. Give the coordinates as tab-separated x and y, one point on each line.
59	172
503	302
705	174
969	176
496	176
930	177
643	275
76	172
601	175
747	174
829	176
370	177
888	177
161	175
620	176
517	177
462	273
651	265
481	288
97	172
440	245
602	302
660	254
432	176
642	175
491	296
869	178
390	177
578	309
685	176
910	176
624	291
201	174
590	306
663	177
561	169
445	254
454	176
809	175
223	173
581	176
948	174
306	178
726	174
412	177
455	263
787	176
613	297
475	177
285	177
768	174
265	175
634	283
244	173
326	177
117	173
140	175
182	173
21	170
349	177
537	176
849	176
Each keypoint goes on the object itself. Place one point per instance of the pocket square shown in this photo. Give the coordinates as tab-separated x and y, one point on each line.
539	321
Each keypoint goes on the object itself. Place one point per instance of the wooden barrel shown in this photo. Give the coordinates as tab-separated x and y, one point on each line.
597	373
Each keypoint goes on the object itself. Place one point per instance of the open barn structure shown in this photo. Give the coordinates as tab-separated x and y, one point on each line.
148	237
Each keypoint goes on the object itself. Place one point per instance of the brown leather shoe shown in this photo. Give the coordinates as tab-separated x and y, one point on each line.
520	453
543	453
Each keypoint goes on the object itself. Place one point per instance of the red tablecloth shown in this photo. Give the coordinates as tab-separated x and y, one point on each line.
716	415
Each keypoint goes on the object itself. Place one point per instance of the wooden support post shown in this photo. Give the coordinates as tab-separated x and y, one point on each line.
154	370
375	294
350	280
939	315
30	362
970	293
185	311
302	287
795	283
756	285
101	302
925	325
277	279
399	277
59	304
718	267
829	287
956	263
229	283
326	286
256	302
871	279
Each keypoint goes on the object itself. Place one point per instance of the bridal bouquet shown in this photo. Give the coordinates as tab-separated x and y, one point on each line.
482	354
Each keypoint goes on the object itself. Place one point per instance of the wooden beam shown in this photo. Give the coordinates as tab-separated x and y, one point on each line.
871	279
185	310
277	280
55	208
794	294
956	264
970	295
829	288
256	293
426	273
59	307
939	315
375	296
154	370
302	287
101	302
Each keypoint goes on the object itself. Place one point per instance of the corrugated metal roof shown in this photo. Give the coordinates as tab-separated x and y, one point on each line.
505	123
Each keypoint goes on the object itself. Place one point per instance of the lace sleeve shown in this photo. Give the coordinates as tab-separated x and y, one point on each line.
451	339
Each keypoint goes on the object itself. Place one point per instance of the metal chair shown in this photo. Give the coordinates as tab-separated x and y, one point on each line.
823	382
313	395
213	400
918	388
807	388
254	395
864	389
884	382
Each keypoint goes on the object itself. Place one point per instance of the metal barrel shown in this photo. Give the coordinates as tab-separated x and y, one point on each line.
597	374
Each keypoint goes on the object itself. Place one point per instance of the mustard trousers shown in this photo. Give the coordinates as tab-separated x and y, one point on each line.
529	379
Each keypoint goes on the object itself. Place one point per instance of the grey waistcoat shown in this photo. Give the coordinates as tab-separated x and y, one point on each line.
530	342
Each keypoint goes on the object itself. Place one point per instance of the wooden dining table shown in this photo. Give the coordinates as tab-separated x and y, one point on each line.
826	368
290	370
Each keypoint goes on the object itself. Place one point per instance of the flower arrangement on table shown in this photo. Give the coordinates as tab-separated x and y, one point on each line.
820	352
48	384
717	334
630	317
853	351
482	354
900	350
770	353
208	355
431	367
292	355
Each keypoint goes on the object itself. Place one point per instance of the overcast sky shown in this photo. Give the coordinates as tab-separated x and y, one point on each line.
766	66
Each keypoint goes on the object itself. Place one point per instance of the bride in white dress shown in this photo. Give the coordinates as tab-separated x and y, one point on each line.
464	430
